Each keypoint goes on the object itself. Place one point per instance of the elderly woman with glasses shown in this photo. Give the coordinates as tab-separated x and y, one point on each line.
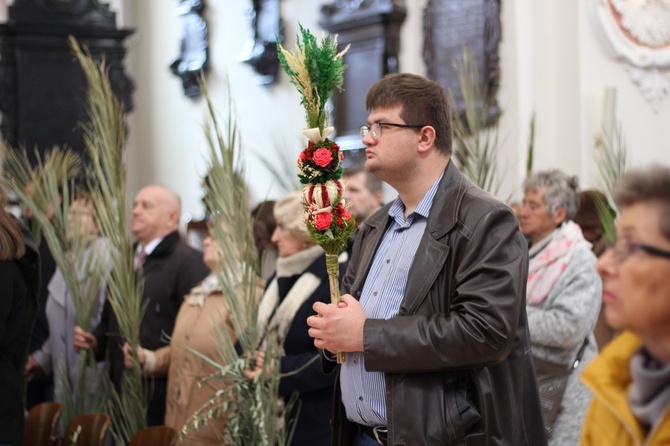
631	377
57	355
562	301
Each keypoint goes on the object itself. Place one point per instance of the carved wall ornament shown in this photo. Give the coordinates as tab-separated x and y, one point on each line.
350	5
647	21
449	27
372	28
637	32
261	53
192	60
62	12
42	86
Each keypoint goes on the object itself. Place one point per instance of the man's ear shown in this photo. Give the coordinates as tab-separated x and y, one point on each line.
174	219
426	139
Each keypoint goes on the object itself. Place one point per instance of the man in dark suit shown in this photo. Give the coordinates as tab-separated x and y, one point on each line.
170	269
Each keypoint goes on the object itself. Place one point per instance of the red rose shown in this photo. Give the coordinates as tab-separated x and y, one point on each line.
303	156
322	157
322	221
345	214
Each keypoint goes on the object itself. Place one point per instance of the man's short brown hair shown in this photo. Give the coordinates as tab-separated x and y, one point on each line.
424	102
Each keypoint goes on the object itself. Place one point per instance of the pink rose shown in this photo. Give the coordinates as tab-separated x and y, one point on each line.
322	221
322	157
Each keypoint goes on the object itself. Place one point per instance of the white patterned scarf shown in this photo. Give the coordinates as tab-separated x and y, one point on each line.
549	258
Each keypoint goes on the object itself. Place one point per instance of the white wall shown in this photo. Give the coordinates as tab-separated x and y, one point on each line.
167	138
647	133
551	61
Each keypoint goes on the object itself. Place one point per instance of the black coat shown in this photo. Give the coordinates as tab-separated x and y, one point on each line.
19	287
170	271
315	388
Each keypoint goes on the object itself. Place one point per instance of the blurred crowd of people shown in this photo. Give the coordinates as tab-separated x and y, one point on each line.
464	321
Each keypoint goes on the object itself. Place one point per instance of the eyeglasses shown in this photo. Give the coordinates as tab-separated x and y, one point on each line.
623	248
375	129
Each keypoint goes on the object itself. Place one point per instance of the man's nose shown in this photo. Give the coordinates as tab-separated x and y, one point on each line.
368	140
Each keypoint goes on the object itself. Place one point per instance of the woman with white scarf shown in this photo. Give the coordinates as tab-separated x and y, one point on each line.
563	295
301	280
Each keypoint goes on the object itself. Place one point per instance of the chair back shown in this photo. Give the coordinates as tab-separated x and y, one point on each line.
41	422
155	436
91	427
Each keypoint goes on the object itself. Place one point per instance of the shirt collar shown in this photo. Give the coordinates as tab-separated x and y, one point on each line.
397	209
149	247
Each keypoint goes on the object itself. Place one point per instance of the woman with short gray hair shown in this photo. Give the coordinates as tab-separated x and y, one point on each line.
562	300
631	377
560	190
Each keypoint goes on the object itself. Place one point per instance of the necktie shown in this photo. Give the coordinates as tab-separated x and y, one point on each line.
141	257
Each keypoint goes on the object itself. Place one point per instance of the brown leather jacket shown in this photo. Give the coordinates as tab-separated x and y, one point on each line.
461	328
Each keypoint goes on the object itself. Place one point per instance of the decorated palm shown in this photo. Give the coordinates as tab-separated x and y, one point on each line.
316	69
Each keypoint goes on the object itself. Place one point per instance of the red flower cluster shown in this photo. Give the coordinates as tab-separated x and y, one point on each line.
339	215
320	162
323	220
322	157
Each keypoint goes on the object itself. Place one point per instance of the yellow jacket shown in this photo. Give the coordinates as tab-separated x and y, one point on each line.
609	420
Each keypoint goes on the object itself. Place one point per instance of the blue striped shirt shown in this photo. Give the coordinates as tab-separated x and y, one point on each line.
363	392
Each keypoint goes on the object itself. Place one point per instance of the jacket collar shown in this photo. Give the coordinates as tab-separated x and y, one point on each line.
611	368
608	376
166	246
432	250
444	212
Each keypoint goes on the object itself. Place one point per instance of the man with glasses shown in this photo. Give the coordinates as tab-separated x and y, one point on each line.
434	322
